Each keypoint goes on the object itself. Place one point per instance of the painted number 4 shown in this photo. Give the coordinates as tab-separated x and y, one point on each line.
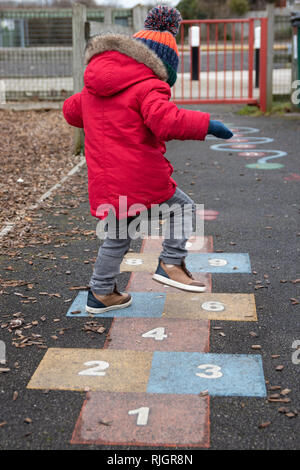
211	371
157	333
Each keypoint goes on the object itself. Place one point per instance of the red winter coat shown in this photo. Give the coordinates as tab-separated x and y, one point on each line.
126	114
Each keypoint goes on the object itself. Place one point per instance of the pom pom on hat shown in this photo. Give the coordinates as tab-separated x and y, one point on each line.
163	18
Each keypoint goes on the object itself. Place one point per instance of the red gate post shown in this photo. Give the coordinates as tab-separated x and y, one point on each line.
251	59
263	65
213	92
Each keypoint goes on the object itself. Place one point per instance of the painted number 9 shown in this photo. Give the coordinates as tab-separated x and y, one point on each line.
211	371
217	262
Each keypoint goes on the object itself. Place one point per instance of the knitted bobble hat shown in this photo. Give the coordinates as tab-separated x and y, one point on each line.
160	28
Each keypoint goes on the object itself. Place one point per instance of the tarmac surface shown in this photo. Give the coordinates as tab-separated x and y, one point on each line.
259	215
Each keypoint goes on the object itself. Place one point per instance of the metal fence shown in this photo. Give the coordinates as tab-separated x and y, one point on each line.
225	62
36	50
36	55
282	60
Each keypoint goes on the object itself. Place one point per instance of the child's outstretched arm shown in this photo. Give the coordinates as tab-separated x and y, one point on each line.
169	122
72	110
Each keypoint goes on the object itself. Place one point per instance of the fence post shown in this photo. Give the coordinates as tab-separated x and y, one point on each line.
78	35
263	65
139	13
108	16
270	54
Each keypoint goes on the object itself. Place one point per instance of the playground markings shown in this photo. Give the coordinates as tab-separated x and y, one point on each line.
220	374
93	369
196	262
142	281
143	419
145	304
112	370
194	244
147	334
209	306
228	307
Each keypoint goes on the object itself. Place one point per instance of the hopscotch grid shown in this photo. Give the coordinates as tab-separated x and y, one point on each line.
75	439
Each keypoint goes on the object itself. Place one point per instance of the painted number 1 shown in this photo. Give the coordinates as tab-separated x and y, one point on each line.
211	371
143	415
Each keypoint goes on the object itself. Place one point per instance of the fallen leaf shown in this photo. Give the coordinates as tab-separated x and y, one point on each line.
279	400
290	415
283	409
286	391
104	423
275	387
264	425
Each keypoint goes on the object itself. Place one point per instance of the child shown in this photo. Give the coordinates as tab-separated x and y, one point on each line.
126	114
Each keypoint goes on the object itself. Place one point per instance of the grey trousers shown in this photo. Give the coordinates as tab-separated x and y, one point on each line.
179	213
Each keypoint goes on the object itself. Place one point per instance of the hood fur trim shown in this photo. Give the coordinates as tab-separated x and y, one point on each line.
128	46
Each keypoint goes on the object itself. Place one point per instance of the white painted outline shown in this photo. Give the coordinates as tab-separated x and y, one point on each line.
8	227
224	146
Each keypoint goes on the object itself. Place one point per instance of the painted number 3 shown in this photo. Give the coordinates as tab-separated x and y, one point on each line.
211	371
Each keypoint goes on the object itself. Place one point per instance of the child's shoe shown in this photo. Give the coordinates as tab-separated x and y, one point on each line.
104	303
177	276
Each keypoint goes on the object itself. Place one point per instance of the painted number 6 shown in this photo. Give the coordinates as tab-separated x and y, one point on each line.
211	371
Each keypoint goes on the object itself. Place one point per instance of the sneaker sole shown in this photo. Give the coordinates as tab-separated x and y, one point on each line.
107	309
177	285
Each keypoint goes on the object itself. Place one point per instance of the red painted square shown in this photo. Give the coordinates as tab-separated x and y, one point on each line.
159	334
164	420
194	244
142	282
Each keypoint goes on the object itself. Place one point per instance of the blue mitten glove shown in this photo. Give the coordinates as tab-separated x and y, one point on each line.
218	129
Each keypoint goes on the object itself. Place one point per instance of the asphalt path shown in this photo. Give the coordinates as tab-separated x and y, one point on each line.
259	215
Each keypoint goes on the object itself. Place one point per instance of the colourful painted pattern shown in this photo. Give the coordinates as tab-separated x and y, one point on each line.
143	386
236	145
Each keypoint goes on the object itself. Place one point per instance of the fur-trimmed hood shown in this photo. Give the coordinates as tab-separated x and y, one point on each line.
111	63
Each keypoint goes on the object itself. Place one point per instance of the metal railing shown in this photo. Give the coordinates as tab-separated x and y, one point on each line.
225	65
36	50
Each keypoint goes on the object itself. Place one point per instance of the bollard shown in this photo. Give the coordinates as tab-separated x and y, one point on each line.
194	40
257	36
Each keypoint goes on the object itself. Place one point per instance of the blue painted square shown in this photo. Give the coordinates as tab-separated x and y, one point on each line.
220	374
145	304
219	263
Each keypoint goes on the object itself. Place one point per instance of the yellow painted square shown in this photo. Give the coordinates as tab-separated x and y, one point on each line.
210	306
140	262
93	369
